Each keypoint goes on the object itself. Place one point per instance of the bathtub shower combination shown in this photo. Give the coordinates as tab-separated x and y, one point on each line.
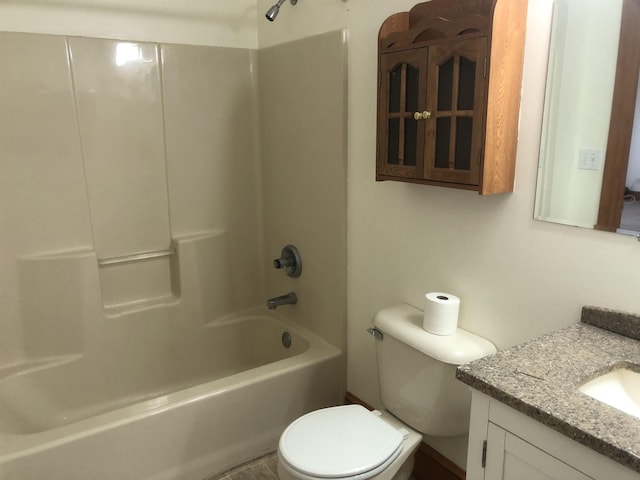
145	186
108	400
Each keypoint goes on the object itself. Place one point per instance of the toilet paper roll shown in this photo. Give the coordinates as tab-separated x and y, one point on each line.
441	313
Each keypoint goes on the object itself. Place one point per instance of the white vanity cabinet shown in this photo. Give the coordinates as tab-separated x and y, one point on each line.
507	445
509	457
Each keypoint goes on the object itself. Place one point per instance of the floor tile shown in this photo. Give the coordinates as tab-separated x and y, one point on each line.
261	468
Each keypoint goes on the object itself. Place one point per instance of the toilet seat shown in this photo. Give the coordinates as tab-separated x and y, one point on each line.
345	442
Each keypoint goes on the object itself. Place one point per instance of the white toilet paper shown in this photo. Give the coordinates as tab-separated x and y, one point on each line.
441	313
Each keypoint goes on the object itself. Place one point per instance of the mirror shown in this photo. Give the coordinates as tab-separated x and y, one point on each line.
589	168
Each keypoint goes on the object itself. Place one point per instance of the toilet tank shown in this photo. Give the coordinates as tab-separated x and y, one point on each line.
416	371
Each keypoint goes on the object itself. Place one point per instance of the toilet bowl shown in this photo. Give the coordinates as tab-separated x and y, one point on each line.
416	370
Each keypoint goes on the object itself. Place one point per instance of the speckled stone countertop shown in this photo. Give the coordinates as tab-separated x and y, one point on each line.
540	378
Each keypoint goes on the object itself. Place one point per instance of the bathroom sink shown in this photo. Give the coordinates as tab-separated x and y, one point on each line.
619	389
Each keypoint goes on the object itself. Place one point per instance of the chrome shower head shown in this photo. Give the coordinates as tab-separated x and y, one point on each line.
272	13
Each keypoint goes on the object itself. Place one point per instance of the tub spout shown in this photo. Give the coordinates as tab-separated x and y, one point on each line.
288	299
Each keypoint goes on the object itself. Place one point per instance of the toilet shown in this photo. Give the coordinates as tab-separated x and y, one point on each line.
418	389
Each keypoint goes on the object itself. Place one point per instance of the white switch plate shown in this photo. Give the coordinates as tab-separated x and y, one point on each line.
589	159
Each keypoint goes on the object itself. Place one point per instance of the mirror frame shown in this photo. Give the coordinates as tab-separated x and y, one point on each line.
622	118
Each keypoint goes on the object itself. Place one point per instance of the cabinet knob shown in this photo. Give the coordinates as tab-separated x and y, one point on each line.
422	115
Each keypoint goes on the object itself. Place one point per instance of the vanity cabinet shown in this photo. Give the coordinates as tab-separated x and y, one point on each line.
449	80
509	457
507	445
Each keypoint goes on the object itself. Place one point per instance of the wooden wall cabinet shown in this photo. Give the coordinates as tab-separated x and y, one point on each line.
449	82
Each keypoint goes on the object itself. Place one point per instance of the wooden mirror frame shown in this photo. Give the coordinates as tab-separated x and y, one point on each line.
621	125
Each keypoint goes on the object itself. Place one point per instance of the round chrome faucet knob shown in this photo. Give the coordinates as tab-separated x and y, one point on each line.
290	261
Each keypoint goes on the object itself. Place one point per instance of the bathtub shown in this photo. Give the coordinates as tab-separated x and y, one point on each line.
213	401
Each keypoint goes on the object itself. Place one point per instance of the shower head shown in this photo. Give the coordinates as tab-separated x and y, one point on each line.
274	10
272	13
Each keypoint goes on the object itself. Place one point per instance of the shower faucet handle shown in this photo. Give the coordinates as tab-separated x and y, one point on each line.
290	261
284	262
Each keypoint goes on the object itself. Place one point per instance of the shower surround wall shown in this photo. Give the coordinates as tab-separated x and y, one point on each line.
110	148
303	138
113	148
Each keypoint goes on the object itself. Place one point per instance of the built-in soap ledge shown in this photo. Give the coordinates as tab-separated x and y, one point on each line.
135	257
131	283
118	310
196	269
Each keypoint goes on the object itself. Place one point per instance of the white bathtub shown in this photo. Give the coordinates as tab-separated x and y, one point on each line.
213	401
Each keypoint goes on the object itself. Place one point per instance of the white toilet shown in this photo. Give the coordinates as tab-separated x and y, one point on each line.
416	370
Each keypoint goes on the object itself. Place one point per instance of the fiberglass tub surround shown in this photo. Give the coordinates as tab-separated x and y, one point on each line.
131	357
118	148
134	256
153	391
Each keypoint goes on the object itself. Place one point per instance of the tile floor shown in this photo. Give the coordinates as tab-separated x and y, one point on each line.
265	467
262	468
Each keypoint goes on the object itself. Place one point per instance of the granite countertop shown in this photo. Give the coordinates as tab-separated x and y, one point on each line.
540	378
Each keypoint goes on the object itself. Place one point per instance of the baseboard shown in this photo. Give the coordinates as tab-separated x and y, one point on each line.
351	398
430	464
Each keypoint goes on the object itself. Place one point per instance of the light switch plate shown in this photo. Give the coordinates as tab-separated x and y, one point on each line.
589	159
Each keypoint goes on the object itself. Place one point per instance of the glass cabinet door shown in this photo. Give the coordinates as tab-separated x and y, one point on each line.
400	127
455	98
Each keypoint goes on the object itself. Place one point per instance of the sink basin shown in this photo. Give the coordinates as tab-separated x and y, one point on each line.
619	389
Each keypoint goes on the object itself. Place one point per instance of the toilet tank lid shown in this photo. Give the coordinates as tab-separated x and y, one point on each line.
404	323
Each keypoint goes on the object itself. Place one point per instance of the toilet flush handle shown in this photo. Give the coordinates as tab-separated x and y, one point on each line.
377	334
